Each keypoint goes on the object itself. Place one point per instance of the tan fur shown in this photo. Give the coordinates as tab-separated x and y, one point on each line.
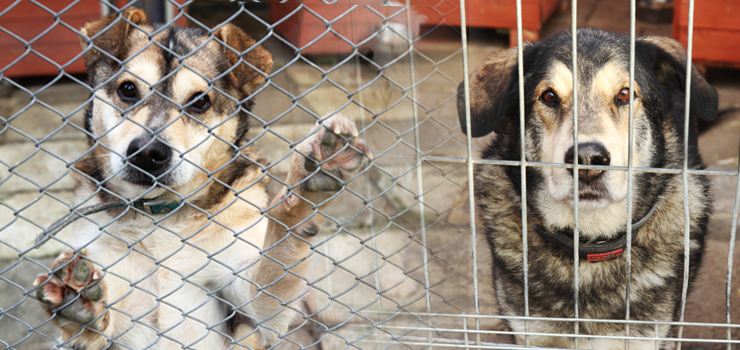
239	43
595	124
656	280
222	249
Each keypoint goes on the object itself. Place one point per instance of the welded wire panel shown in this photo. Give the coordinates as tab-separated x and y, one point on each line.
397	261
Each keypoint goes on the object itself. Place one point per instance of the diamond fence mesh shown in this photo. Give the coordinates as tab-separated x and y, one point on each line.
395	263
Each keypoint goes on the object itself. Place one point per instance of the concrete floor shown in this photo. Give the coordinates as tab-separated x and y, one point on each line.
346	289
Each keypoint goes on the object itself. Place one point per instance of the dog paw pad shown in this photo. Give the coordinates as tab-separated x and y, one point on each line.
336	147
74	290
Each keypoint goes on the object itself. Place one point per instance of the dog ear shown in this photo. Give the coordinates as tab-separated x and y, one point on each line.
669	65
241	48
114	30
488	85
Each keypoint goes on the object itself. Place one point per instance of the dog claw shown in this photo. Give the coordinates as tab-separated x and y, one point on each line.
288	200
316	151
368	152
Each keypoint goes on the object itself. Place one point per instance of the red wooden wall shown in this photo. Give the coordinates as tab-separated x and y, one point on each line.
49	40
716	31
303	27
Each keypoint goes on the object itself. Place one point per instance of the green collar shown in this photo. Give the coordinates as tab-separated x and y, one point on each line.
153	207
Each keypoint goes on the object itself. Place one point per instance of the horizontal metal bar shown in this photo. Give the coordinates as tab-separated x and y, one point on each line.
561	335
457	343
564	165
555	319
464	346
443	341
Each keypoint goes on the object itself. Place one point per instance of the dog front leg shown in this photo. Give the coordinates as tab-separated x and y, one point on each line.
97	307
279	277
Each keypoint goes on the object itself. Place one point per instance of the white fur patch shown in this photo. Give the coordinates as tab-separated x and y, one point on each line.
608	214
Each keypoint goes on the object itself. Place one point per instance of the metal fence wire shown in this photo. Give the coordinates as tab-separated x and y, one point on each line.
396	263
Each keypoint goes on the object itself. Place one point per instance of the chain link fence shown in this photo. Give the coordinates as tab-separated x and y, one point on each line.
396	263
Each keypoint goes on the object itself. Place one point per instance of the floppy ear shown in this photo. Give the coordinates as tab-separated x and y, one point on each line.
243	76
488	85
669	65
113	37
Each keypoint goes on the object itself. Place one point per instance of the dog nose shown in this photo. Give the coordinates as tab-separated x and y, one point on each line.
590	154
149	155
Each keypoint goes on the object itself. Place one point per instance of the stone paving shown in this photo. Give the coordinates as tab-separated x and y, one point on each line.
345	264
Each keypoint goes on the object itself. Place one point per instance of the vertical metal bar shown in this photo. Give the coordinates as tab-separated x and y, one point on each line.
687	219
630	152
471	182
105	7
169	11
731	258
368	192
419	172
465	327
523	166
576	241
657	342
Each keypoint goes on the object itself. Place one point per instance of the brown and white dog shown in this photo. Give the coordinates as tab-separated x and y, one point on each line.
197	255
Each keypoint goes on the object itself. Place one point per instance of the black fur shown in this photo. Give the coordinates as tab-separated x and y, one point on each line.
660	73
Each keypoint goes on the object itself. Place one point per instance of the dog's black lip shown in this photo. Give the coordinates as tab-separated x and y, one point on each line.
593	191
589	196
137	177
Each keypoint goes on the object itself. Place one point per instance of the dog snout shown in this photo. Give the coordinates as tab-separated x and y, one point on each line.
589	154
149	155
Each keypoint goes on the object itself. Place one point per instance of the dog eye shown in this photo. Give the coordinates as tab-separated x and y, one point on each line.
549	97
127	91
623	96
201	102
